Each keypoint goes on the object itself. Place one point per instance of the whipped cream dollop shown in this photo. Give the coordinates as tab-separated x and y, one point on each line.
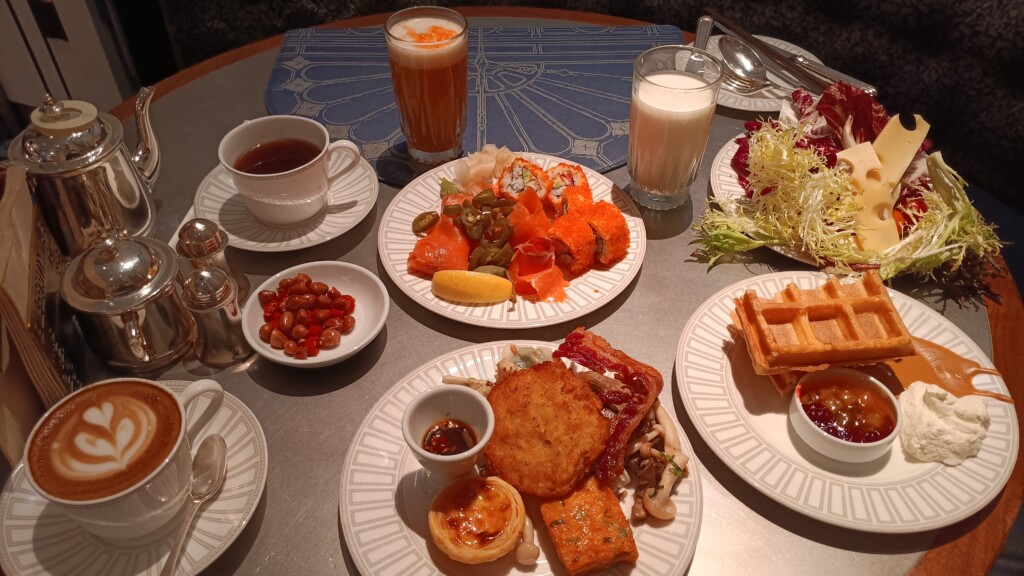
939	427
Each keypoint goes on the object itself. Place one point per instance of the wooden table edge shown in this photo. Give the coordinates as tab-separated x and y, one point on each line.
971	553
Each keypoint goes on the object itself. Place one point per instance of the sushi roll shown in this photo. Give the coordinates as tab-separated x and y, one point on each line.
564	176
611	233
574	243
575	199
520	175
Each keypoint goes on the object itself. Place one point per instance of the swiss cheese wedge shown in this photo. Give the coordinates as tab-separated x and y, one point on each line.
876	169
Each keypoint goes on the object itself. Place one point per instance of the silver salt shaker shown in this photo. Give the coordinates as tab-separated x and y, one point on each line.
202	243
211	295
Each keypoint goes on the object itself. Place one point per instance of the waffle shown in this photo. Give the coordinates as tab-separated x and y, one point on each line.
834	324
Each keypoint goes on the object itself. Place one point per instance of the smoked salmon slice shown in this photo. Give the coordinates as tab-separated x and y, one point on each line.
444	248
534	273
528	218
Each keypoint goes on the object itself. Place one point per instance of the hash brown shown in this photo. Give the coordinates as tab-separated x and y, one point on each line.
548	430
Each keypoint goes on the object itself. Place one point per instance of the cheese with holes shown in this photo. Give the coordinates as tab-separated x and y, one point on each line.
876	229
876	169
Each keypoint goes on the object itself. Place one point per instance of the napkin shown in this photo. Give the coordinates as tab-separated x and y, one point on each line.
562	91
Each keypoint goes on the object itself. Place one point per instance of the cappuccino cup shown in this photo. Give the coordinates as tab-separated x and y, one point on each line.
280	165
115	456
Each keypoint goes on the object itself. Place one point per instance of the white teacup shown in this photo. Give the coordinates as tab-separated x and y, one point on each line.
436	405
293	196
115	455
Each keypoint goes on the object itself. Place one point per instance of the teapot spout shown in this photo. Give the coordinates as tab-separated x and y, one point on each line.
147	154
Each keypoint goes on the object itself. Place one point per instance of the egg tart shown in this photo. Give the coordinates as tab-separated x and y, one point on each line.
475	520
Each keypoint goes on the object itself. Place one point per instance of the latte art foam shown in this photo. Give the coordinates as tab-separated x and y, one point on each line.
103	440
111	436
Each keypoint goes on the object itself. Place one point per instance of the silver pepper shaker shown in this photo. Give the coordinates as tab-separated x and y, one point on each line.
212	298
202	243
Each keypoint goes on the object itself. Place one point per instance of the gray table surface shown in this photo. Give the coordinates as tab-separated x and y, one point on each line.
309	416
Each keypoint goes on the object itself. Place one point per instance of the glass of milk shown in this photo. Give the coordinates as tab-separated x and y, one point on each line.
674	93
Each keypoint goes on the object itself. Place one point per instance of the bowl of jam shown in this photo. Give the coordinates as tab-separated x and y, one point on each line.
845	414
447	427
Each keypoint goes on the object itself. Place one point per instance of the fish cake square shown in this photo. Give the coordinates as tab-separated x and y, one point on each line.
588	528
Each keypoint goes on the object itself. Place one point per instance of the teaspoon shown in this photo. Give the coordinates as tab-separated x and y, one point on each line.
208	470
745	64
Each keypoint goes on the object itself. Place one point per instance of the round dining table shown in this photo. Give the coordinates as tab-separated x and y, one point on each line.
309	416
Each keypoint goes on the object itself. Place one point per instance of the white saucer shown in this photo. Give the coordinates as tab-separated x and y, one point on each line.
35	538
352	197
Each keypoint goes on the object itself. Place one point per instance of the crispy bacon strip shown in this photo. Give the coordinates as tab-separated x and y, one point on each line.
642	382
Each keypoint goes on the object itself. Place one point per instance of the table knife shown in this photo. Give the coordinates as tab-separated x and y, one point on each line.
812	82
827	72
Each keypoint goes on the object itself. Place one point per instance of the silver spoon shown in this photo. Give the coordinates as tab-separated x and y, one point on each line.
748	72
208	470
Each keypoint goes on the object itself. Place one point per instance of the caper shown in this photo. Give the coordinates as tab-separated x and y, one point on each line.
492	270
452	210
424	222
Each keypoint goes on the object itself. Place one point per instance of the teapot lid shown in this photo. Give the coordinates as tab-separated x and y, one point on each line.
118	274
65	135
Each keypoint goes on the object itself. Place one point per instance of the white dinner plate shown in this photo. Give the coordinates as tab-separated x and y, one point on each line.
353	195
383	510
35	538
725	186
587	293
766	100
743	420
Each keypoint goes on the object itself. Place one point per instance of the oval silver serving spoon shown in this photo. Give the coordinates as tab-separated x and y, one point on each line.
746	66
209	466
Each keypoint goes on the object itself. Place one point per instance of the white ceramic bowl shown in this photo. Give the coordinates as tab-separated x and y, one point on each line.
440	403
831	446
371	311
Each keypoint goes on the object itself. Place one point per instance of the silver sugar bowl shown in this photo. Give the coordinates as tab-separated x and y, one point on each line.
202	244
123	292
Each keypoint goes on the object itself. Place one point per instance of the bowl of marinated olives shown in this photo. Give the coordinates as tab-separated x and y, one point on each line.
845	414
315	314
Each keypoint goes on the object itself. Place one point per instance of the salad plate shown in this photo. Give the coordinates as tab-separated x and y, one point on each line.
36	539
352	196
383	509
743	420
767	100
587	293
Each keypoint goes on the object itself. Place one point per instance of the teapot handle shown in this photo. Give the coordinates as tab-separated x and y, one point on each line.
133	334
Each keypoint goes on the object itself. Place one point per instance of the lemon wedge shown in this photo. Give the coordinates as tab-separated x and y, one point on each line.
471	287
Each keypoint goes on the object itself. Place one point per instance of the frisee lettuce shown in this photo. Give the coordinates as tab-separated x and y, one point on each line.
809	208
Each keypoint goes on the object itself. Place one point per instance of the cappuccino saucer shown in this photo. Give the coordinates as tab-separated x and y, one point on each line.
351	197
35	538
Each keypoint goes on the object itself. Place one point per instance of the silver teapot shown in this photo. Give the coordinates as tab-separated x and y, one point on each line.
123	292
84	180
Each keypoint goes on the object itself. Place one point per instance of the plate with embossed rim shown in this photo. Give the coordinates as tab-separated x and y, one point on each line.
743	420
587	293
36	538
383	504
352	196
725	186
767	100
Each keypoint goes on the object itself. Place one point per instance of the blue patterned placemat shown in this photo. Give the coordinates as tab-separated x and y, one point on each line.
558	91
